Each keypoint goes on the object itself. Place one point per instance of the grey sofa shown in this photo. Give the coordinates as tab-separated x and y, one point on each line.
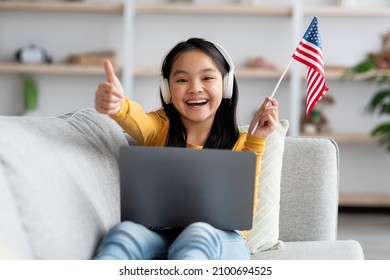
59	190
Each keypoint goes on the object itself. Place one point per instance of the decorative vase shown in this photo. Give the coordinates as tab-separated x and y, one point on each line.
30	91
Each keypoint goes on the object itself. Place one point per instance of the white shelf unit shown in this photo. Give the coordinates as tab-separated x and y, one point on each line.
21	22
129	11
57	7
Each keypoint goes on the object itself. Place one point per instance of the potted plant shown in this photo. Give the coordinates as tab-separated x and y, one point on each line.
376	68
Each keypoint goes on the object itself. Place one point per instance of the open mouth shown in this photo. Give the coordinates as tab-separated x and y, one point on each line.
194	103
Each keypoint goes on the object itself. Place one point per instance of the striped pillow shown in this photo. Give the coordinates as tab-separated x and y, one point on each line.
264	234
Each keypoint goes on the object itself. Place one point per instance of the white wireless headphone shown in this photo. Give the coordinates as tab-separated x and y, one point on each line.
227	80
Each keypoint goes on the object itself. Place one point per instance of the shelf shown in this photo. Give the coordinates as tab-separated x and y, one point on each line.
15	68
246	73
332	73
62	7
148	8
368	75
345	137
346	11
147	71
364	200
63	68
251	73
243	72
66	69
339	73
183	8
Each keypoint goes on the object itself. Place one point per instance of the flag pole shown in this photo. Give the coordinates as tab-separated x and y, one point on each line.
276	87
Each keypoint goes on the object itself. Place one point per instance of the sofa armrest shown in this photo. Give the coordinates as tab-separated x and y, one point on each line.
309	189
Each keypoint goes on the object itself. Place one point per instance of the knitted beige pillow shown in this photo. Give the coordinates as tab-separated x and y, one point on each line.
264	234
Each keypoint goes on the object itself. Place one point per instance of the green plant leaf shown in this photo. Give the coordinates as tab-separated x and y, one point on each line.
365	65
385	110
382	131
383	78
380	99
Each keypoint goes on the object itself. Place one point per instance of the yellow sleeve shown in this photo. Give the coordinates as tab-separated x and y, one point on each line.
248	142
149	129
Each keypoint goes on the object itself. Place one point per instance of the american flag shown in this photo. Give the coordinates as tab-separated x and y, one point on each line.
309	52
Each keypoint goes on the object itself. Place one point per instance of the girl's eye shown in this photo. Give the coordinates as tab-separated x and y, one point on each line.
208	78
181	81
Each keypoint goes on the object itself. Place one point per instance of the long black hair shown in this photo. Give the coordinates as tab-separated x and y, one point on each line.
224	131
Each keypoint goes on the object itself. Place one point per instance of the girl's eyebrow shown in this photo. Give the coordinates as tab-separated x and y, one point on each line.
185	72
177	72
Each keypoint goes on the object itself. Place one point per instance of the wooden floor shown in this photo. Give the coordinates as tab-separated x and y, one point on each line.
364	200
370	227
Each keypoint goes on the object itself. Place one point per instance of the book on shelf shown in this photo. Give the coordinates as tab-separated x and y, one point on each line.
92	58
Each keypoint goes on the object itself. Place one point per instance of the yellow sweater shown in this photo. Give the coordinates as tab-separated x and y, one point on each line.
151	129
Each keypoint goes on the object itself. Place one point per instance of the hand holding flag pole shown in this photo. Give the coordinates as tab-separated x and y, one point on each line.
309	53
273	93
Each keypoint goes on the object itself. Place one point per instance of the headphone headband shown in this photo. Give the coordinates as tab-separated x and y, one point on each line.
225	55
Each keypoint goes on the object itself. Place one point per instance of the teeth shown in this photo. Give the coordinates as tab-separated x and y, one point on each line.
192	102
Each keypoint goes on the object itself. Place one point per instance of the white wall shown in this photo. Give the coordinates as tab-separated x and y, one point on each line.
64	33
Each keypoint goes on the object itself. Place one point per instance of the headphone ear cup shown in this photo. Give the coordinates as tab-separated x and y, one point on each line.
228	85
164	87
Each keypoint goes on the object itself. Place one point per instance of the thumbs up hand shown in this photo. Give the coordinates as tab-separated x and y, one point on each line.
109	95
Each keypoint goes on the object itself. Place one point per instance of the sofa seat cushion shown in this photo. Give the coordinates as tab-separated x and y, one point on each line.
314	250
64	177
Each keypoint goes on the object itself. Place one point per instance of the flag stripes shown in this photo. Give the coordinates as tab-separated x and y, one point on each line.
309	53
316	89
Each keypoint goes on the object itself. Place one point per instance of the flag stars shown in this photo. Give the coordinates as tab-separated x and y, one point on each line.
313	35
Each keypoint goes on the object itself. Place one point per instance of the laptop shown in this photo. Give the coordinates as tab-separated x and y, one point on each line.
174	187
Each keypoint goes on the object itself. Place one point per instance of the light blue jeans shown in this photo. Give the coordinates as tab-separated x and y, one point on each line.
198	241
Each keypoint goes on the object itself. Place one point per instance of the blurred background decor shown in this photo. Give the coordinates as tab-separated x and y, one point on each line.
93	58
375	68
316	122
30	93
261	63
32	54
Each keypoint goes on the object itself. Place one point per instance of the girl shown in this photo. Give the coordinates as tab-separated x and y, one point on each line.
199	97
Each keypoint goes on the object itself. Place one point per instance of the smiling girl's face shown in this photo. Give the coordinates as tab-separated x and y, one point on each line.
196	86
